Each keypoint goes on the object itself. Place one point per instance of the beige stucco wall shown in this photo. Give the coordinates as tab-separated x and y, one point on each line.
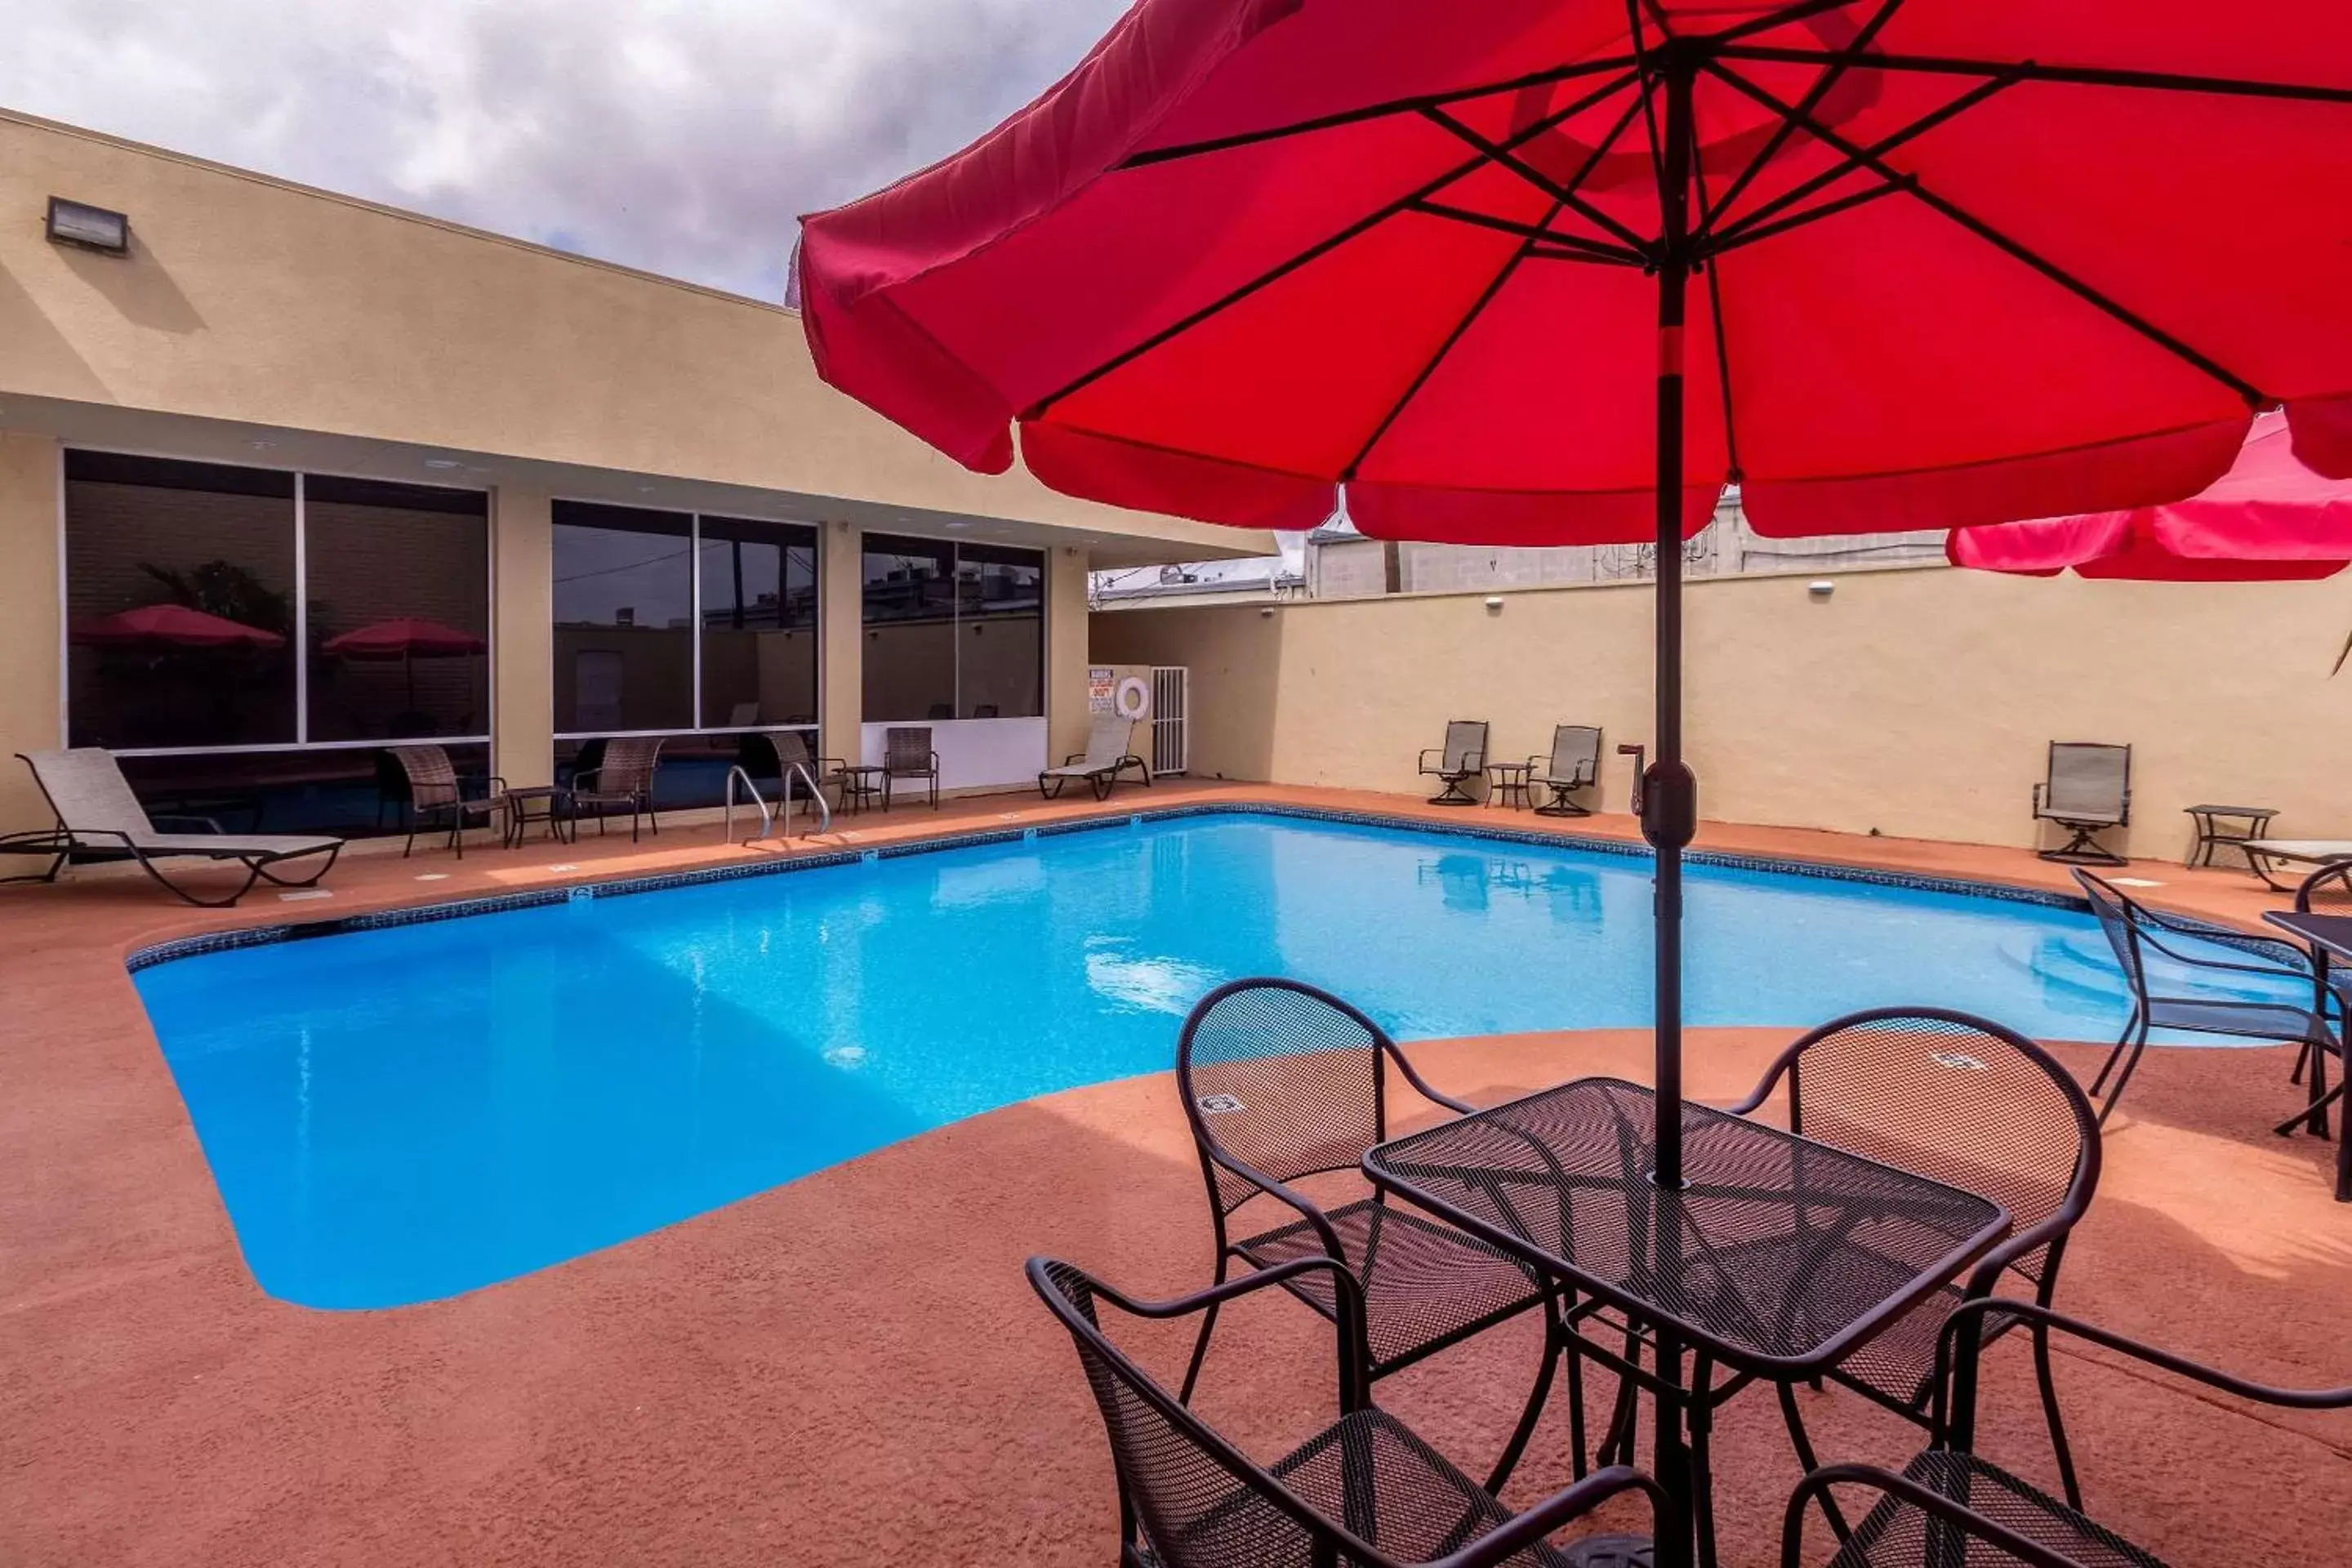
1915	702
248	300
29	476
1067	642
522	638
841	669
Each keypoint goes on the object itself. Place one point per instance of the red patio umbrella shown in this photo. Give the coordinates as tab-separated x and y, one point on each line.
406	640
1553	272
406	637
171	625
2268	518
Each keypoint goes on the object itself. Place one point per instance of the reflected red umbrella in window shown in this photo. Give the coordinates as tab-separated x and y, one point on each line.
2270	518
1554	271
171	626
407	639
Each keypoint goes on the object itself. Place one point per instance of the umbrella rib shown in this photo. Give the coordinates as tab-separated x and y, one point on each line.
1586	249
1715	310
2014	249
2072	76
1649	110
1744	227
1381	110
1781	18
1746	234
1329	243
1429	367
1539	233
1503	156
1807	105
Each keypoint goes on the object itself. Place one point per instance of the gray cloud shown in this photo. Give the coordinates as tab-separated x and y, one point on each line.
683	136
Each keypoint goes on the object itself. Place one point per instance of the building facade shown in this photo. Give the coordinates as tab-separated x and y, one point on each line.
293	477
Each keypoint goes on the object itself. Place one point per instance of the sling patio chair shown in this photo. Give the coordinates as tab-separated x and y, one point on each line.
97	817
781	751
1970	1103
1105	757
1282	1082
2088	791
1574	764
1364	1493
437	798
622	776
1457	762
1950	1506
2134	931
907	754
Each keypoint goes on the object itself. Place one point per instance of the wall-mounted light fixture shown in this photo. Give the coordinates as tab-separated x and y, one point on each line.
1821	587
89	228
1494	604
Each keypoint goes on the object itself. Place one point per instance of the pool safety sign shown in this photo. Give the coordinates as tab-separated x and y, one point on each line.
1102	688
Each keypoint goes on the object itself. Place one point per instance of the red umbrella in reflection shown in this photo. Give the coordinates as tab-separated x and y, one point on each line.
171	625
406	640
2269	518
1553	272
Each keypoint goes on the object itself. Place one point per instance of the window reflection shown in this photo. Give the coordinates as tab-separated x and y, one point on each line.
399	609
952	631
179	602
759	624
624	611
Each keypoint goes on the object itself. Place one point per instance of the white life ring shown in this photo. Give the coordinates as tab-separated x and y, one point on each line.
1132	700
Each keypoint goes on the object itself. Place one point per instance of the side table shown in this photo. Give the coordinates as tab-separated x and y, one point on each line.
861	786
555	803
1508	783
2211	835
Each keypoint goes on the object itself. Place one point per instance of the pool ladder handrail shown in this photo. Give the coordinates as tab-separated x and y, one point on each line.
825	812
767	817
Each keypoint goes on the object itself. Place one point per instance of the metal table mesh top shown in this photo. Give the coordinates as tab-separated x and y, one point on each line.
1779	1254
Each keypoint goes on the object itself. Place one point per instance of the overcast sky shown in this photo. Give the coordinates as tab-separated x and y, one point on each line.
683	136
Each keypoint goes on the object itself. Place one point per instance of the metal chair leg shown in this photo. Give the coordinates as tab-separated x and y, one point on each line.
1552	1349
1806	1461
2050	1411
1201	1344
2130	1024
2131	1066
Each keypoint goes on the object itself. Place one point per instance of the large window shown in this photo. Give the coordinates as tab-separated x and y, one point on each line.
952	631
759	623
623	595
248	636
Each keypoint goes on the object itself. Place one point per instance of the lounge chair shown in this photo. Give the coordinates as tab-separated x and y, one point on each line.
2317	854
1457	762
907	754
622	776
98	817
436	795
1574	764
1105	757
2088	791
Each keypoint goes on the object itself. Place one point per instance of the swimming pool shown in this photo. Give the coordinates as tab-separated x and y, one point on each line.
405	1112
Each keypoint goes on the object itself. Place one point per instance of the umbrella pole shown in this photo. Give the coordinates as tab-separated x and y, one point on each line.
1669	792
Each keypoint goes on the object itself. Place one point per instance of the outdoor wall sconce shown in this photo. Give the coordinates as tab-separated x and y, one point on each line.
1821	587
1494	604
89	228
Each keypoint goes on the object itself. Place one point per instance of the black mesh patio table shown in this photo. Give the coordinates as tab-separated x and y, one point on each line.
1777	1258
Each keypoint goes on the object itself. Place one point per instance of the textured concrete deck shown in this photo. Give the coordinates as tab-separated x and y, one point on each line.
849	1369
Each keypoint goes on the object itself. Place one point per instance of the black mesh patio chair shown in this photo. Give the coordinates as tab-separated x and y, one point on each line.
1974	1105
779	751
2133	930
2088	790
1950	1506
437	798
622	776
1282	1081
1573	764
1363	1492
1457	762
907	754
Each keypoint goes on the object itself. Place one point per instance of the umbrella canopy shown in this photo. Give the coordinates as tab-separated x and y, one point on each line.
171	625
1552	271
404	638
2268	518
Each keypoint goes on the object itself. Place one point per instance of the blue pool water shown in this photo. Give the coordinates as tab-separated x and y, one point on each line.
402	1113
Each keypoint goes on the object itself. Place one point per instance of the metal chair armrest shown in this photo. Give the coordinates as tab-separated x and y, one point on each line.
1284	1192
1425	765
2154	1355
2041	796
1523	1531
1422	1086
1818	1484
2280	972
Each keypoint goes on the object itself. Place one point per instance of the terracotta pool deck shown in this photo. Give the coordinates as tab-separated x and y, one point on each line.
849	1369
